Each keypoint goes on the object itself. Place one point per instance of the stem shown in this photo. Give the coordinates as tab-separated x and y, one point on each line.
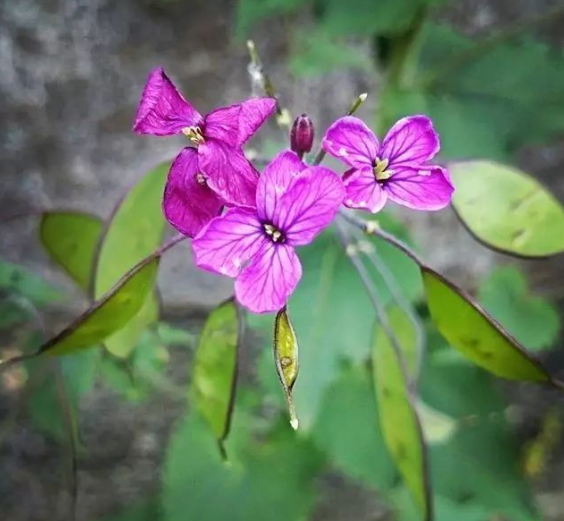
355	105
71	430
374	297
372	228
260	77
389	279
451	64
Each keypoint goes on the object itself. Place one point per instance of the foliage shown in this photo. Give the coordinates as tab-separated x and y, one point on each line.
532	320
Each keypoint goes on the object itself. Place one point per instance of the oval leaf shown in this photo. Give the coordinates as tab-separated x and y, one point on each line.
70	239
215	368
135	230
468	328
400	424
507	209
286	359
108	314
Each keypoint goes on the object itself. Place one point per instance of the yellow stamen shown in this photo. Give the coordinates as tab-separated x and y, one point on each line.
380	172
273	232
194	134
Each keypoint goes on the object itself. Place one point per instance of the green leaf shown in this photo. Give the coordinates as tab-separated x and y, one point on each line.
348	430
134	232
269	479
316	53
249	12
107	315
332	314
71	239
19	282
367	17
533	321
506	209
437	427
172	335
215	368
475	334
501	116
484	451
400	424
286	358
78	373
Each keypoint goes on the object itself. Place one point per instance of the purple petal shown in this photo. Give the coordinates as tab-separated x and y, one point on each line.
411	141
363	191
237	123
420	189
350	140
267	282
229	241
187	203
162	110
309	204
229	172
254	113
275	180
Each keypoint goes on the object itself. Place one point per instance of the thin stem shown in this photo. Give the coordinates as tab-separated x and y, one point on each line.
451	64
372	228
391	282
360	99
374	297
260	79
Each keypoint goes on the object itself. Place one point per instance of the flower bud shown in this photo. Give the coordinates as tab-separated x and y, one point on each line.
301	136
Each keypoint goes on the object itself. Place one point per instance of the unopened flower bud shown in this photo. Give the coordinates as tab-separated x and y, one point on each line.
301	136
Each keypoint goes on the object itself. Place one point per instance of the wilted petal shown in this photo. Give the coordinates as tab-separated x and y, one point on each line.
162	110
420	189
187	203
229	172
237	123
309	204
350	140
229	241
363	191
270	278
411	141
275	180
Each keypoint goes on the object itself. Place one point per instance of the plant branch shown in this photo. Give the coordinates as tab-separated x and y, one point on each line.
360	99
261	82
374	297
372	228
369	250
4	364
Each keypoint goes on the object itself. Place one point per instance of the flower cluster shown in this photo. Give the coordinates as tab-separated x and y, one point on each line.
246	225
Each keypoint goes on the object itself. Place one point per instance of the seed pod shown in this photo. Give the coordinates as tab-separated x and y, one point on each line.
301	135
286	359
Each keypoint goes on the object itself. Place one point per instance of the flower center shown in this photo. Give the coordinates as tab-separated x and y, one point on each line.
273	233
200	179
194	134
380	169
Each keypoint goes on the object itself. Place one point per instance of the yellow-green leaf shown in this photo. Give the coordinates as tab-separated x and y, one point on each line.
507	209
468	328
215	368
437	426
135	230
400	424
71	239
107	315
286	358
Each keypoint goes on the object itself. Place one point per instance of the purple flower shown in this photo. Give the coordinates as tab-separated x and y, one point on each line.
396	169
293	204
213	172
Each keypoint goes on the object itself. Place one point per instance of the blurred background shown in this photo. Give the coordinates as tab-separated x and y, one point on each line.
489	73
